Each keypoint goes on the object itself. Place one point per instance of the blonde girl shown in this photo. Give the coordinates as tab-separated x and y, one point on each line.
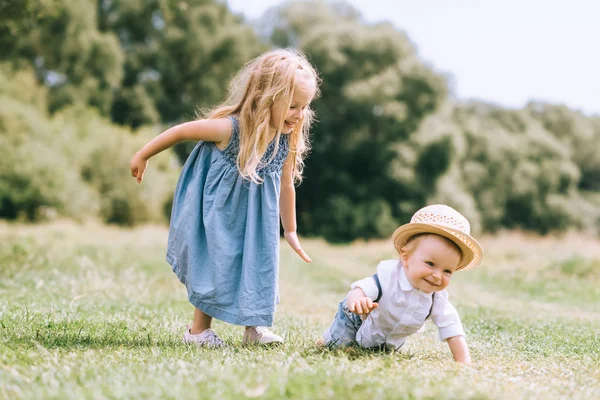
233	189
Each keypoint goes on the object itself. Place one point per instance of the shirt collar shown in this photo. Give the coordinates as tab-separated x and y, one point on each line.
404	282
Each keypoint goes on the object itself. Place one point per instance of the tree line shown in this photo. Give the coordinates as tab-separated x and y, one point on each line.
85	82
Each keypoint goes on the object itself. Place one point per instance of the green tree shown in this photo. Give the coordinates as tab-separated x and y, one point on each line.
520	174
180	55
579	133
17	17
72	163
375	93
59	39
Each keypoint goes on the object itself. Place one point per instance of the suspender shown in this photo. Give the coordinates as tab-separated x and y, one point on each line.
431	308
380	293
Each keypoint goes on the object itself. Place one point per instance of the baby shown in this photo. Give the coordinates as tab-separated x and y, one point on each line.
386	308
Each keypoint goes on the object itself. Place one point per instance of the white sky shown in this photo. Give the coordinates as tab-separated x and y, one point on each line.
502	51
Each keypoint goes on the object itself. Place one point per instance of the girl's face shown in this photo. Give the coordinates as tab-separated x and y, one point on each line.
303	94
431	264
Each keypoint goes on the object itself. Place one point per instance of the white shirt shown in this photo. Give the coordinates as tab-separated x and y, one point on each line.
402	309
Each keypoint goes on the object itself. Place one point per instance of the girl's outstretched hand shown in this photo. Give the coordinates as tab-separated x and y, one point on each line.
292	239
138	166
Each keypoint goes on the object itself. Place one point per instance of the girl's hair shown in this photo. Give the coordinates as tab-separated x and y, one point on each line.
268	78
413	242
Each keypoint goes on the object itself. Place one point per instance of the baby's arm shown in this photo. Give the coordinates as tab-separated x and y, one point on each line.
361	299
460	350
446	318
359	303
210	130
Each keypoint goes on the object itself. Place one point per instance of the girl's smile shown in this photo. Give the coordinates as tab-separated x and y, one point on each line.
289	125
304	91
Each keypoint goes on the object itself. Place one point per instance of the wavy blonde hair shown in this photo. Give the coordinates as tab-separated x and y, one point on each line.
263	81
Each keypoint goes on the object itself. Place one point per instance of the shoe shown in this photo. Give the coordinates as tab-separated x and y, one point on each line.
261	335
207	338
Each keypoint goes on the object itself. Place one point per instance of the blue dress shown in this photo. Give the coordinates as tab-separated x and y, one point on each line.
224	233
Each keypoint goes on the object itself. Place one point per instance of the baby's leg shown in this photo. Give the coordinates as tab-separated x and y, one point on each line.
342	332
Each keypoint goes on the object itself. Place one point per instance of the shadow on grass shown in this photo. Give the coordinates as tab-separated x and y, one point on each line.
33	331
81	339
354	352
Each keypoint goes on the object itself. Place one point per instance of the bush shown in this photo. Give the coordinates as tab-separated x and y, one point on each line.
103	152
75	164
519	174
34	174
345	220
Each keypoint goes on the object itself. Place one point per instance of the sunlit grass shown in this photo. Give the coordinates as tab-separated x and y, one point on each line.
95	312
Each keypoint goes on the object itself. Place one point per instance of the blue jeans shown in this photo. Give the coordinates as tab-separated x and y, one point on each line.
342	332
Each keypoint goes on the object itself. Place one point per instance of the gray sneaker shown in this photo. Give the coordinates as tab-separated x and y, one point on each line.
261	335
207	338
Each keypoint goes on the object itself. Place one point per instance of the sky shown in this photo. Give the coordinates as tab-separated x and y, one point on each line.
506	52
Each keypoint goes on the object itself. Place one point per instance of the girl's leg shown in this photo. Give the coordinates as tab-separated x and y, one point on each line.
201	322
200	332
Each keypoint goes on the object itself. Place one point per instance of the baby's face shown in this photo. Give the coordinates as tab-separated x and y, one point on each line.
431	265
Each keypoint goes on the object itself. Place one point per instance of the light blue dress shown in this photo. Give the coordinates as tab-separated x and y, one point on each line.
224	233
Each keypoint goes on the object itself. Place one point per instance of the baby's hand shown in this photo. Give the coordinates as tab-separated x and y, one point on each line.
363	305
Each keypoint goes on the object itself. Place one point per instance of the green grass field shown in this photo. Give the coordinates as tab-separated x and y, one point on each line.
95	312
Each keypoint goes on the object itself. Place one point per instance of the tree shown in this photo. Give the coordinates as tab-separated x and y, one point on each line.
375	93
579	133
59	39
520	174
179	55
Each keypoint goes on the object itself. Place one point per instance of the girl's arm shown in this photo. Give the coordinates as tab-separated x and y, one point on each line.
287	207
459	349
209	130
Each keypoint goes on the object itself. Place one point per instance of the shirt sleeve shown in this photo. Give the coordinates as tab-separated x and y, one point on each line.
368	286
446	318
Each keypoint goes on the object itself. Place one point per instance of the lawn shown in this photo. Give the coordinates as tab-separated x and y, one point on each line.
95	312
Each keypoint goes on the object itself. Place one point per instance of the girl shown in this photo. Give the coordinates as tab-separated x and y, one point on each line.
224	231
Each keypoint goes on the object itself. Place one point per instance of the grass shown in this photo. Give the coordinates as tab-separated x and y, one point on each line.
95	312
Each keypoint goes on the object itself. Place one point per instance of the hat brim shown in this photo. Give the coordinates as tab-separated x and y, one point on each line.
472	252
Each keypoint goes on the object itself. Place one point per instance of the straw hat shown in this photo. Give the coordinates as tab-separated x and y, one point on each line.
447	222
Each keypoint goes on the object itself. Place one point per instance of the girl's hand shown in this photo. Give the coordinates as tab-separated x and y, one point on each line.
138	166
292	239
361	306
